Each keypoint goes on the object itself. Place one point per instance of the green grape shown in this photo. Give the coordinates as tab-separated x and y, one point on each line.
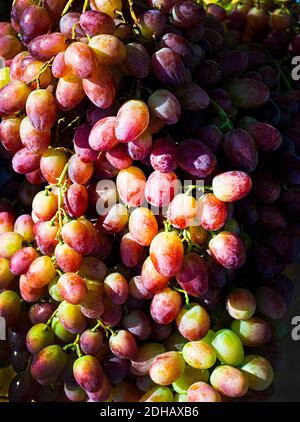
228	347
199	354
158	394
189	377
258	371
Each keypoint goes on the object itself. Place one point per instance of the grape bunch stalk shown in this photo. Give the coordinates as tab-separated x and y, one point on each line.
150	152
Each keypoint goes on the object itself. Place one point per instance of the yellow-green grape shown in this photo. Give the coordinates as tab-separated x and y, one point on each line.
258	371
61	333
228	347
180	398
4	76
53	290
166	368
253	332
158	394
229	381
189	377
241	304
10	243
199	354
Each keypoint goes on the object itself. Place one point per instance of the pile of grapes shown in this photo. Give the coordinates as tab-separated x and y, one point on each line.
151	198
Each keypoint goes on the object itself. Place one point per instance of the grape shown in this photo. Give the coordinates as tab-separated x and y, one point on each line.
60	332
46	46
167	368
257	18
267	137
211	212
241	304
231	186
9	46
119	157
10	306
248	93
240	150
164	155
116	288
229	381
81	144
161	188
41	109
125	392
202	392
69	92
48	364
69	26
44	205
198	234
103	394
10	243
34	21
41	312
6	275
258	371
193	275
88	373
109	50
165	106
187	14
271	218
41	272
112	314
152	23
168	67
131	185
93	268
4	76
21	260
72	288
29	293
102	136
9	133
46	237
71	317
144	383
178	45
79	171
96	22
19	360
130	251
100	88
193	322
253	332
92	306
91	342
132	120
227	250
123	345
199	354
140	148
115	368
59	68
137	323
22	388
6	222
196	158
165	306
52	164
158	394
143	226
38	337
228	347
75	394
166	253
81	59
6	28
76	200
137	60
270	303
13	97
36	141
137	289
189	377
145	355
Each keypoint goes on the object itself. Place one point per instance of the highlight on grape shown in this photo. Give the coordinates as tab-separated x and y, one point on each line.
150	199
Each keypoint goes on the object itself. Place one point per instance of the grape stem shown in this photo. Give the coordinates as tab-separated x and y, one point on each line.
67	7
186	296
43	69
74	346
227	123
107	328
48	323
132	13
85	5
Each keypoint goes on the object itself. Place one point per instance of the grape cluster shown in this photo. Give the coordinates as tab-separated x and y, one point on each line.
119	281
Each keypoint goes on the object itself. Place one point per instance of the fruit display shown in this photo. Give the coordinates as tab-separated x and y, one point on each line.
150	198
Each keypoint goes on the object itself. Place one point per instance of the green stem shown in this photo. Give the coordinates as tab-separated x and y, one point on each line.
48	323
36	79
132	13
186	296
227	123
85	6
67	7
107	328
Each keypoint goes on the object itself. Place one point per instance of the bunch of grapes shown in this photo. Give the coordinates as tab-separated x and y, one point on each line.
152	201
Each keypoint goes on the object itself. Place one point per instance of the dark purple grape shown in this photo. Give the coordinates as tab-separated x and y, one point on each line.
22	388
115	368
40	312
240	150
271	218
209	73
211	136
196	158
20	360
168	67
178	45
46	394
164	156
